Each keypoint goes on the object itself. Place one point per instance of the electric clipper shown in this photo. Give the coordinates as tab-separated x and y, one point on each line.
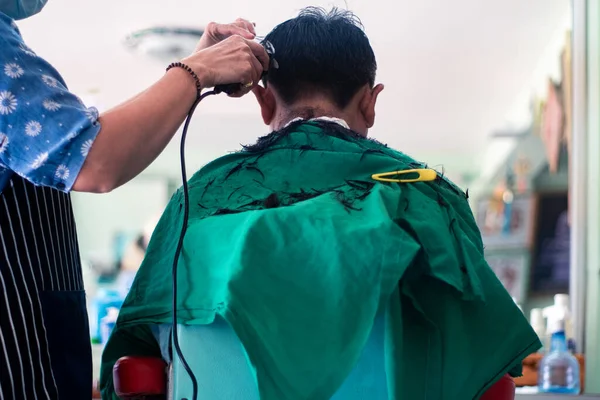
231	88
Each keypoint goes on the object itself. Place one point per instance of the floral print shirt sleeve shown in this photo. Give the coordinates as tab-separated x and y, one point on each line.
45	131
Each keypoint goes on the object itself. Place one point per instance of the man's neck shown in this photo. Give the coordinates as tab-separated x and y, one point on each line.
305	113
334	120
317	107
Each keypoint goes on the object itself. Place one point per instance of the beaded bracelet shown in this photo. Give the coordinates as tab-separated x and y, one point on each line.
191	72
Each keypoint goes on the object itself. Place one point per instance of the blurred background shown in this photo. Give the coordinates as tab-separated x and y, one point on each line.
500	95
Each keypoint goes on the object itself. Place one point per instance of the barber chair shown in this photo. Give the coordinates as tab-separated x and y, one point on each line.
223	370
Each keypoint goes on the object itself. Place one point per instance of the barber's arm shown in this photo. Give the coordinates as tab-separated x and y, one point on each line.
134	134
51	139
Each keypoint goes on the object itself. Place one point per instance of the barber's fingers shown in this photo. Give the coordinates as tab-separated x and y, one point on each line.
255	53
217	32
229	29
260	53
257	70
233	60
254	74
241	22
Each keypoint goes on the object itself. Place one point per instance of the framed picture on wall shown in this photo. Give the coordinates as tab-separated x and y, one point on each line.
552	126
506	225
512	268
567	90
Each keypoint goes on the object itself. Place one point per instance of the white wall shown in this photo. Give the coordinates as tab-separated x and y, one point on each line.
128	209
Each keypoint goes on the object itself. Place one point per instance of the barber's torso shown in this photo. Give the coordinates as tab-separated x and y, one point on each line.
44	326
45	136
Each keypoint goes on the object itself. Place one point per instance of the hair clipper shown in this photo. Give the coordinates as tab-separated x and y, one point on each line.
231	88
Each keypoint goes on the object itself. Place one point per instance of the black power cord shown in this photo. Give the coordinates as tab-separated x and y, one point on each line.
228	89
186	212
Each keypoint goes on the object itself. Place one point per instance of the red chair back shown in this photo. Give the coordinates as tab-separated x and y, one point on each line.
140	378
145	378
504	389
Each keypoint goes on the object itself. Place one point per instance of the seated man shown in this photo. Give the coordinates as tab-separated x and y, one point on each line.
300	250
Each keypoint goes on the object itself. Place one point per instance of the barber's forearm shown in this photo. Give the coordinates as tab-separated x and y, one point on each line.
136	132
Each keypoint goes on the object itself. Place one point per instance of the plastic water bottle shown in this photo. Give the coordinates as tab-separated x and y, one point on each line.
108	323
559	369
125	281
539	326
104	300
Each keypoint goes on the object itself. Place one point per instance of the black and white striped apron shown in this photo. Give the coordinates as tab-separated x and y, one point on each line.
45	350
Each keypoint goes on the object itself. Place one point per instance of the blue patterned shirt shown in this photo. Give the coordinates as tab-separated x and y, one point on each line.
45	131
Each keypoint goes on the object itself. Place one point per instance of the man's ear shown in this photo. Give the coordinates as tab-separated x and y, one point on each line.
367	104
266	101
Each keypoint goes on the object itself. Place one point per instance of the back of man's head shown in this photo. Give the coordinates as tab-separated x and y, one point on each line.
321	53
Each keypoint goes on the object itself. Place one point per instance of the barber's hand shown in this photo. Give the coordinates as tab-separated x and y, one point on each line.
233	60
215	33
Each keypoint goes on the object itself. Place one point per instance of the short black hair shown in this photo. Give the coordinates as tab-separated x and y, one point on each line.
321	51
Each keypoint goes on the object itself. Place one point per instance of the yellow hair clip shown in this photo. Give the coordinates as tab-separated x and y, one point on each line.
423	175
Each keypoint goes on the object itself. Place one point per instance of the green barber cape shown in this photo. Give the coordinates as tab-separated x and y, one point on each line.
298	248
